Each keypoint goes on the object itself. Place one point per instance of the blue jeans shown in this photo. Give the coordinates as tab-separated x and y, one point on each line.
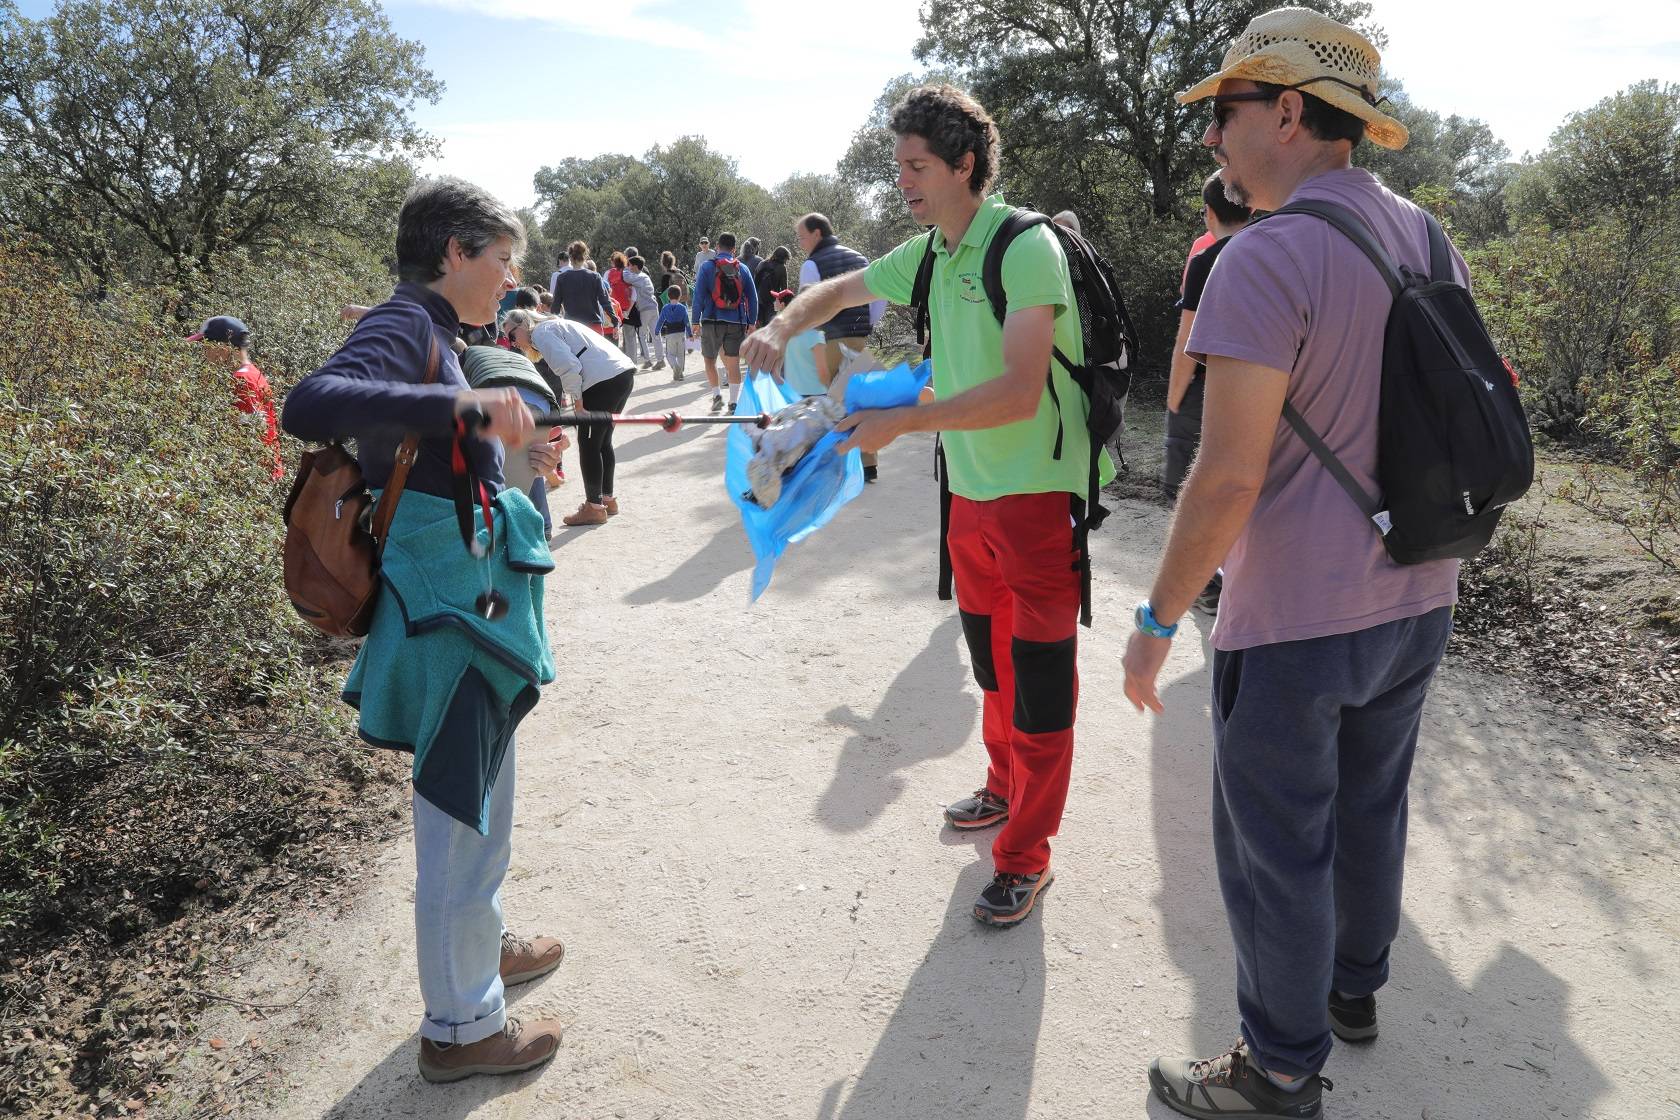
1313	744
458	915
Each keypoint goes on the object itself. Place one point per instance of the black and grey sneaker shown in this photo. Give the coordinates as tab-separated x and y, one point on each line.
1353	1018
1011	897
983	810
1208	601
871	472
717	402
1230	1085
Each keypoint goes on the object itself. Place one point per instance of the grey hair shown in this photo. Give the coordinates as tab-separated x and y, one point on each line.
437	210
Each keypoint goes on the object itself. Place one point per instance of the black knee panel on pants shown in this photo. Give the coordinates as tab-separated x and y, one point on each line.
1043	684
977	628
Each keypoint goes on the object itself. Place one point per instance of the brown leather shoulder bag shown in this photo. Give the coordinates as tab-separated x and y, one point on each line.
332	543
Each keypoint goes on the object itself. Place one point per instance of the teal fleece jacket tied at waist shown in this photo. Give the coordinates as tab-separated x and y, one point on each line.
436	678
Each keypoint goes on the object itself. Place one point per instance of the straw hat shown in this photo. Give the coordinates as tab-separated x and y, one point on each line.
1299	47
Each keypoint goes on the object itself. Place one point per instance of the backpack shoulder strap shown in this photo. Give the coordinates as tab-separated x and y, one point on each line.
919	291
1013	225
1440	259
1353	227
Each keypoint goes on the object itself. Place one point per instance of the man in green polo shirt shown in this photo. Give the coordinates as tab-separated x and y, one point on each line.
1011	529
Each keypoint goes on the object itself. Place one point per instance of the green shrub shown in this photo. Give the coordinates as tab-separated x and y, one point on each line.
145	642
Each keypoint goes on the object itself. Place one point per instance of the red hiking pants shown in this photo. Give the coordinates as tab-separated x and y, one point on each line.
1017	580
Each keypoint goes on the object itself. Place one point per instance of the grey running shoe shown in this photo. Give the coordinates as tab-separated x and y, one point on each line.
717	402
983	810
1353	1018
1230	1086
1011	897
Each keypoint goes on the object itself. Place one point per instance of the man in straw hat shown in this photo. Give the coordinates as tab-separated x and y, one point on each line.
1324	647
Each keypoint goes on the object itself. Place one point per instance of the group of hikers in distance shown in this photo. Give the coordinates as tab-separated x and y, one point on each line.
1324	645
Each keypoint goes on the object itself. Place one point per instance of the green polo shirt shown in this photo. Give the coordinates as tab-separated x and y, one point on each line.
968	350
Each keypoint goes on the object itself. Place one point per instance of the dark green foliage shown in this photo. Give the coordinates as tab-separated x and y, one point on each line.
145	643
166	131
1092	74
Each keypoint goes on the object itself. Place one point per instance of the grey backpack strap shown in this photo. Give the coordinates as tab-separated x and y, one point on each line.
1440	259
1353	227
1368	505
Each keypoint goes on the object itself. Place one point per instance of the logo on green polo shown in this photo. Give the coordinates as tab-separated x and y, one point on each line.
968	287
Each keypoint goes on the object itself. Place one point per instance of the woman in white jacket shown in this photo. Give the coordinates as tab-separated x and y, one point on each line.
596	377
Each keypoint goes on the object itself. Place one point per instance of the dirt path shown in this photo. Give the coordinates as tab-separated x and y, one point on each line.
732	817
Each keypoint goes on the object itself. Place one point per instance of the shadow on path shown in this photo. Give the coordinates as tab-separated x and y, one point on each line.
964	1038
923	714
1497	1049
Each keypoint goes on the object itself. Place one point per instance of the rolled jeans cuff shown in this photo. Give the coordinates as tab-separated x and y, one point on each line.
463	1034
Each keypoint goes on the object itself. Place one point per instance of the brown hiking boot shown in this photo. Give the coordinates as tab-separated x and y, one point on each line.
518	1046
586	515
612	506
526	958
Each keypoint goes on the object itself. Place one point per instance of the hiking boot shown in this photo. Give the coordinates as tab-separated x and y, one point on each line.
870	472
1230	1085
526	958
586	514
717	402
1353	1018
518	1046
611	504
1011	897
983	810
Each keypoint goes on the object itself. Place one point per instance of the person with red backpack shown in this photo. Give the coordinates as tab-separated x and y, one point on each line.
725	304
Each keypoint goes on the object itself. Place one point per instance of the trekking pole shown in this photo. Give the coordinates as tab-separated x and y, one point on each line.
669	421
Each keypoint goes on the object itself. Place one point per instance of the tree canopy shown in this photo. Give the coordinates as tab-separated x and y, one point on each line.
183	128
1097	77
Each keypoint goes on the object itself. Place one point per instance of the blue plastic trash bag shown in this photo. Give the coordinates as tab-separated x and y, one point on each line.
823	481
887	388
812	492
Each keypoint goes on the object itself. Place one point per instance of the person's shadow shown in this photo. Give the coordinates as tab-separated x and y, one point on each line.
394	1087
922	715
964	1037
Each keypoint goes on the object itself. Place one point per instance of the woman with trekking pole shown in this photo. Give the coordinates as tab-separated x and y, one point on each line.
598	377
456	648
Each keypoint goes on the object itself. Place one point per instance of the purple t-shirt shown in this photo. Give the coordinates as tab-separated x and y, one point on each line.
1292	293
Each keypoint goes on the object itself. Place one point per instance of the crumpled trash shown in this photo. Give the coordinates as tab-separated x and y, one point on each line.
817	483
778	447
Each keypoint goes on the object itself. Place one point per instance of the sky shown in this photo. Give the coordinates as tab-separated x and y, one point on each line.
780	85
1520	66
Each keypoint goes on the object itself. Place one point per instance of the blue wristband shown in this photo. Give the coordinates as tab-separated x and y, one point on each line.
1145	619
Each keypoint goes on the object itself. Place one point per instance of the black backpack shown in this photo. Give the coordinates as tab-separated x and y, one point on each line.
1453	444
1109	343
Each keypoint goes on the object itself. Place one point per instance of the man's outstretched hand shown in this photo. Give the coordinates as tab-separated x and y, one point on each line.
765	349
873	428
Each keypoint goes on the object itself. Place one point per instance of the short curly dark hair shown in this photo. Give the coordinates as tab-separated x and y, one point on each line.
952	123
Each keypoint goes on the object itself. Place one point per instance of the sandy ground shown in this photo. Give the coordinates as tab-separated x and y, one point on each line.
732	817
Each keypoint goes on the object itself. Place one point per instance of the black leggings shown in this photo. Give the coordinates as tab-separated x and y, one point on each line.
595	449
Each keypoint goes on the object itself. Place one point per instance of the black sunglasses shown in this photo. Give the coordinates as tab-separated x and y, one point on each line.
1221	113
1220	100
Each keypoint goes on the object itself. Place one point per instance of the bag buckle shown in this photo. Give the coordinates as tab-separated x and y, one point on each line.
338	509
